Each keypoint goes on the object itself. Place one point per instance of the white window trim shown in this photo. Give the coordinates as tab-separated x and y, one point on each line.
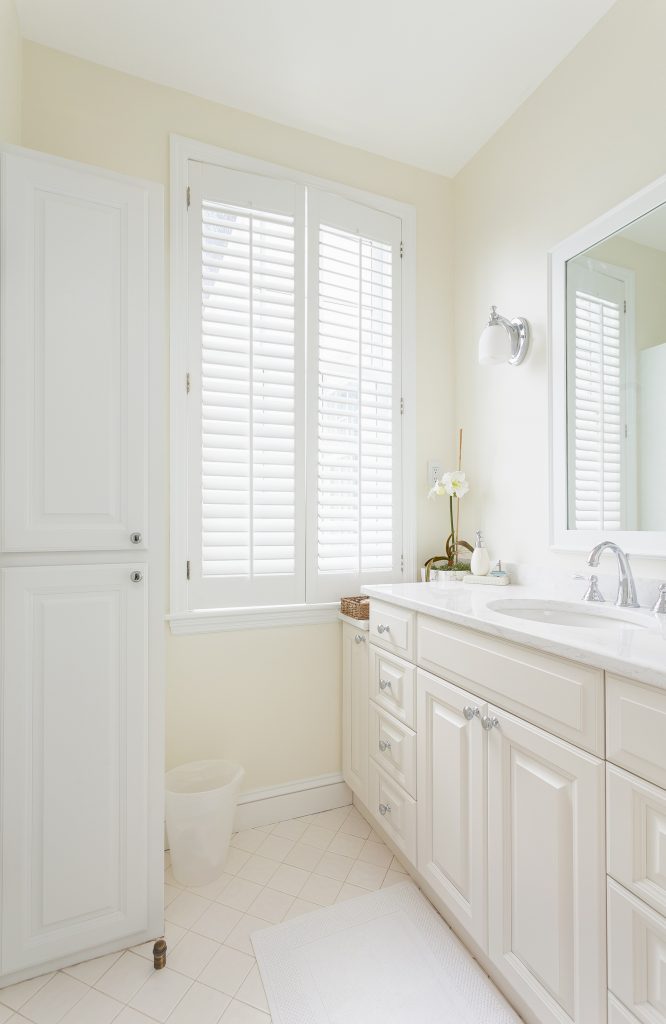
181	619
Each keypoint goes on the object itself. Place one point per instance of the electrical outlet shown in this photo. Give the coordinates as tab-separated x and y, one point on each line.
434	471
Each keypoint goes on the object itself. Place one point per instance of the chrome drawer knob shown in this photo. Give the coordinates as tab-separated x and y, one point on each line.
470	712
384	745
489	722
359	639
383	629
136	538
136	576
384	684
384	809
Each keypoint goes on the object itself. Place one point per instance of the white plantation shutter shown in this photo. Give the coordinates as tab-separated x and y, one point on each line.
354	432
246	334
597	416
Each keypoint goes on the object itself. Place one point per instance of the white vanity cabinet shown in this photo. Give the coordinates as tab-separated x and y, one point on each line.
355	707
506	823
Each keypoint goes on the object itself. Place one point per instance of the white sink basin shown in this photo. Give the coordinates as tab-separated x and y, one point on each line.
567	613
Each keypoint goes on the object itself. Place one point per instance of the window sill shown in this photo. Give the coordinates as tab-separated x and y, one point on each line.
222	620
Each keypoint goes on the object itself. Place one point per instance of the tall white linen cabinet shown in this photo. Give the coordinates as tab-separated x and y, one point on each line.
82	547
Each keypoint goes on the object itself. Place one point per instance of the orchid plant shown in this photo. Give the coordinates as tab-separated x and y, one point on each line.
454	485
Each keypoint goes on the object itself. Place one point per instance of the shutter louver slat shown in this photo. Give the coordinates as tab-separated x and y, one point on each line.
248	392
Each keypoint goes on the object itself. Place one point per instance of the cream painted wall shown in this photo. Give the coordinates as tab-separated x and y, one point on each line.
11	54
590	136
270	699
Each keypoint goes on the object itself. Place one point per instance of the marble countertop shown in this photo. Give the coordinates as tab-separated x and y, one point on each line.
638	654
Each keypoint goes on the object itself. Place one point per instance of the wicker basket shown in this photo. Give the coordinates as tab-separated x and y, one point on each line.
356	607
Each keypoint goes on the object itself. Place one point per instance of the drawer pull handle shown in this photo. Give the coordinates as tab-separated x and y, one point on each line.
136	576
359	639
384	684
489	722
381	628
470	712
384	809
384	745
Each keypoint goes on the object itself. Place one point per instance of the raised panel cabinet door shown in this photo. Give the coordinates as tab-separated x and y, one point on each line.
546	871
78	301
355	709
451	810
75	838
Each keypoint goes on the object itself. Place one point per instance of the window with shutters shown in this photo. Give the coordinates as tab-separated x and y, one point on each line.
601	432
294	432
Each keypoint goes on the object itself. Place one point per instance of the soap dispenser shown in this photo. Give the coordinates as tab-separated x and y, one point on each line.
480	563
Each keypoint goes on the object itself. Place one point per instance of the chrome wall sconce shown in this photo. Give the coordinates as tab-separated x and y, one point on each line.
504	341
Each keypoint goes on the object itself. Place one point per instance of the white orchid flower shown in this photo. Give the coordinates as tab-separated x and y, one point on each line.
437	490
454	484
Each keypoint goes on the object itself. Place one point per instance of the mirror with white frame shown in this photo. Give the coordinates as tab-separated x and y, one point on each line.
608	380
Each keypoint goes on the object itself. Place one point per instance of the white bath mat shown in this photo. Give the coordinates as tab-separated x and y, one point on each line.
384	958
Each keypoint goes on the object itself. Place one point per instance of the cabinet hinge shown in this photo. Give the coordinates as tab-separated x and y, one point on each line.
402	250
187	571
402	407
187	383
188	196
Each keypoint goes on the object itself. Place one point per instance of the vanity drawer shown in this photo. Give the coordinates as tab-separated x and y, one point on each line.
563	697
392	685
393	746
636	728
392	628
636	956
636	820
394	809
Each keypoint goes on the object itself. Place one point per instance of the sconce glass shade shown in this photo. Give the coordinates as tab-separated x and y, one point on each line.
494	345
503	341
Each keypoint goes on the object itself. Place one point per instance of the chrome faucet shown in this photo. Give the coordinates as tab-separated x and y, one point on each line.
626	588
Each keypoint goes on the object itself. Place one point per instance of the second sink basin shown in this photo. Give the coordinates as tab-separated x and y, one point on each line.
566	613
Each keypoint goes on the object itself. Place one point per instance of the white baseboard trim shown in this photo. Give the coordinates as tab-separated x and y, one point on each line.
293	800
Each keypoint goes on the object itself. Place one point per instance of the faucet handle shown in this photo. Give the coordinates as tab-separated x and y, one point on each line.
660	607
592	593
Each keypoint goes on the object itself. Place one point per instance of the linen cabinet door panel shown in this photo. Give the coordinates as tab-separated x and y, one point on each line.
546	864
74	769
451	811
75	326
355	709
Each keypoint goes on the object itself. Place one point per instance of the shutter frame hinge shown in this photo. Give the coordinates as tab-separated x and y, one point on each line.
187	569
402	249
188	196
402	563
402	407
625	305
188	384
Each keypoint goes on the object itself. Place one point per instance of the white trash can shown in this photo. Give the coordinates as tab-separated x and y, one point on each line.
200	804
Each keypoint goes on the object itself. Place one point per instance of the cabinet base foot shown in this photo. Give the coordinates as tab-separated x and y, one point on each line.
160	954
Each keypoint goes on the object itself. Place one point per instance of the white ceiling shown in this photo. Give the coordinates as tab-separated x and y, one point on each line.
422	81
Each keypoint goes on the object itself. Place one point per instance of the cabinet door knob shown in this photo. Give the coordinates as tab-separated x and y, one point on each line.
384	809
381	628
384	745
384	684
359	639
136	538
136	576
471	712
489	722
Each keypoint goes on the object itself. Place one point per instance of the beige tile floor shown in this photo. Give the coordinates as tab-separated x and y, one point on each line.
272	873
